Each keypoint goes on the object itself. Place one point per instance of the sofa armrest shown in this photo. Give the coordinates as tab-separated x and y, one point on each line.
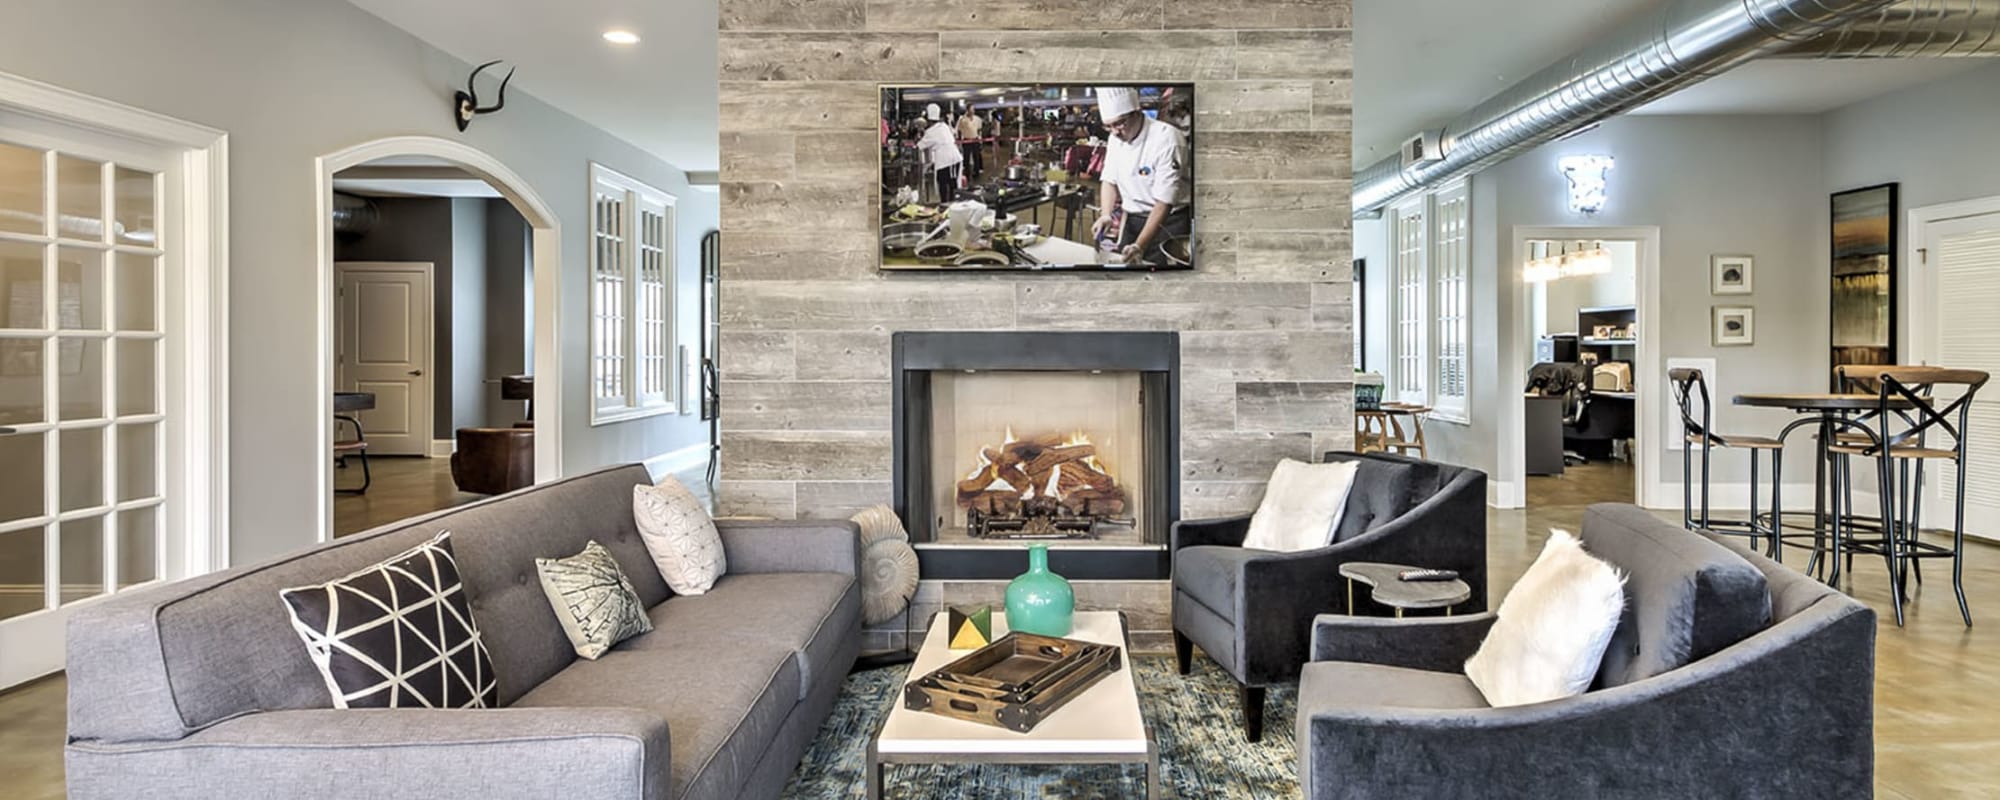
1440	644
1219	531
815	545
395	753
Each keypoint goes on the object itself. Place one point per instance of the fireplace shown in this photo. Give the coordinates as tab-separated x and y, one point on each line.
1070	439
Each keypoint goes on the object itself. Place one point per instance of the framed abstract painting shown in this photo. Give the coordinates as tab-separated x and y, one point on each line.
1863	291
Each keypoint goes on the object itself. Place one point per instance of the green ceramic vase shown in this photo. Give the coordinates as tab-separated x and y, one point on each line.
1040	601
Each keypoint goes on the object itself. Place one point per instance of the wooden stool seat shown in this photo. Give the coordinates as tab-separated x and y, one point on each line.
1894	452
1746	442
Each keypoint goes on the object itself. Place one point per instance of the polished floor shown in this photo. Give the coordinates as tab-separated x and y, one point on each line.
1937	696
403	487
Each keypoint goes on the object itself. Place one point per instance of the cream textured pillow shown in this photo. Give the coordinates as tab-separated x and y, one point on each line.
678	532
597	606
1301	507
1552	627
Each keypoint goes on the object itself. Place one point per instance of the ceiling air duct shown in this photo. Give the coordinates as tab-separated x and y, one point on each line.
353	216
1680	44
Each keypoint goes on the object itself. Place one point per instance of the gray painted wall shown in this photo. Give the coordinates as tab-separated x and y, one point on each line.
510	336
1936	140
1721	184
291	80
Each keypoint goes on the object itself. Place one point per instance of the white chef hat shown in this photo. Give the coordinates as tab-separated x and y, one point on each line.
932	113
1116	101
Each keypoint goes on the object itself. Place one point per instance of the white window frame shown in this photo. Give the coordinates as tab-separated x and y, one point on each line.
632	337
1409	296
1450	238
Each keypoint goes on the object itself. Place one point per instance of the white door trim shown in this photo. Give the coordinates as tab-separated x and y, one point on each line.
1923	345
204	258
548	272
429	401
1517	354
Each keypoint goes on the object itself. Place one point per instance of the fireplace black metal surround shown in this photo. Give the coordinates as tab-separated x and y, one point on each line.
1154	356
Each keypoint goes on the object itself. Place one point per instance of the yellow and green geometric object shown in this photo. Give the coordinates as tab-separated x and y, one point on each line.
970	627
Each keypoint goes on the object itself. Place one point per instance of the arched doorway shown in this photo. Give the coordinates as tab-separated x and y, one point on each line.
547	259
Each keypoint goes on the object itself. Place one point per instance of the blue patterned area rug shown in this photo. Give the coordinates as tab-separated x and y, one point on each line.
1196	720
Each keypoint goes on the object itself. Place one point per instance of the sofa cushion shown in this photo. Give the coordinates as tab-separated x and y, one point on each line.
1301	506
1346	685
1209	573
591	597
1551	631
724	704
1385	487
1685	597
807	614
398	634
677	530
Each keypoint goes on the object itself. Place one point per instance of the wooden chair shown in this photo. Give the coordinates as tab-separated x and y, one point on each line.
1698	431
1381	430
1900	457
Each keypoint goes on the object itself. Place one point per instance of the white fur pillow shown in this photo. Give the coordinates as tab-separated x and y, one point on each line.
1301	507
1552	628
680	536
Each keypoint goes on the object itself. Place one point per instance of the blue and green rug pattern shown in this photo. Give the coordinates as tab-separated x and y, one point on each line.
1196	720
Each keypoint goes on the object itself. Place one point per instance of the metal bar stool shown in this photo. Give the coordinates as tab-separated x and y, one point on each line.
1689	387
1899	459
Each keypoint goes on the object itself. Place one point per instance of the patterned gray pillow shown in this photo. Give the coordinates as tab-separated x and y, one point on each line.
680	536
597	606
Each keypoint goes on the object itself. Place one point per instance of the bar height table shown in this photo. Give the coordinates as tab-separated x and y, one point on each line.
1831	413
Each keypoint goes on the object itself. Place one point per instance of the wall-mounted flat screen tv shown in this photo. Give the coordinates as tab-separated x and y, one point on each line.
1038	176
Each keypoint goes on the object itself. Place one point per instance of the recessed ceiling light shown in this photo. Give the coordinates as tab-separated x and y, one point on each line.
621	36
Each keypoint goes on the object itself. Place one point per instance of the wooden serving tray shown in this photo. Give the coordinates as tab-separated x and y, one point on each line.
1013	683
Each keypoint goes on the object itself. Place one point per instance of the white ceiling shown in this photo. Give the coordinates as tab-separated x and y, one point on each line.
660	94
1418	63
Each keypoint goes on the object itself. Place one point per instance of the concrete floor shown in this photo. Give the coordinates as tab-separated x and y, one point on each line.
1937	682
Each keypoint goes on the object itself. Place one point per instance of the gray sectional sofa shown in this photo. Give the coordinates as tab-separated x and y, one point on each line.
201	689
1728	676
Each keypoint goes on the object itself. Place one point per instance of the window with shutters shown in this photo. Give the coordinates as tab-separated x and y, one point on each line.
631	299
1451	249
1407	334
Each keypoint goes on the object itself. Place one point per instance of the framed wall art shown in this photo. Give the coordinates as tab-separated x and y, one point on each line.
1734	326
1863	291
1730	274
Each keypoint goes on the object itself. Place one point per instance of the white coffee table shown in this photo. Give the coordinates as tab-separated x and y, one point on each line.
1101	726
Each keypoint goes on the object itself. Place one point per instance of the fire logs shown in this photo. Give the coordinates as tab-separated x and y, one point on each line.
1046	475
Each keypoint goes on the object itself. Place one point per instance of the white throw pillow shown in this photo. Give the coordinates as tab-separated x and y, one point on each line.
1302	506
680	535
1552	628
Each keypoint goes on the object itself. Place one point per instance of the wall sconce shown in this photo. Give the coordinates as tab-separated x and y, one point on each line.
1586	181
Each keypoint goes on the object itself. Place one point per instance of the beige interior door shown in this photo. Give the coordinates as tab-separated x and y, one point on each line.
384	334
1964	255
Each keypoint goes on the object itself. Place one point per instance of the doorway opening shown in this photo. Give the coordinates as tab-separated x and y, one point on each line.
1586	364
436	322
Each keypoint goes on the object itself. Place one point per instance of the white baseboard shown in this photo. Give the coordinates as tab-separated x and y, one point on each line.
686	458
443	448
1505	494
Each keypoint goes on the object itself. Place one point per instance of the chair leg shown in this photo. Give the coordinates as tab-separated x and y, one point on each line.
1253	714
1958	547
1777	505
1754	535
1885	473
1183	653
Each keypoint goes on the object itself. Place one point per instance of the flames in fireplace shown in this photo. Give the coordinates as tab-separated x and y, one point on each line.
1046	486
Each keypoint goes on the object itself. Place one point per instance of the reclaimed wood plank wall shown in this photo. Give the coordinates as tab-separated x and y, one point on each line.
1265	319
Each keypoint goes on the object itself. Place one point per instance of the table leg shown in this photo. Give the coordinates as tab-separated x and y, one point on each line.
1350	597
1399	613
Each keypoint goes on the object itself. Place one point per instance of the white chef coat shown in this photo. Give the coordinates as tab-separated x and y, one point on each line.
940	146
1150	170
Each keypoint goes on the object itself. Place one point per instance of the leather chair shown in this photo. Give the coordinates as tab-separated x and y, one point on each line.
1252	610
494	460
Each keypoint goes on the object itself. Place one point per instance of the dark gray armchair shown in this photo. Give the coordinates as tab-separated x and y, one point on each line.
1252	610
1686	704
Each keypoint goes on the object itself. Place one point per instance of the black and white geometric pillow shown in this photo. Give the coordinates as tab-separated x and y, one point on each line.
597	606
399	634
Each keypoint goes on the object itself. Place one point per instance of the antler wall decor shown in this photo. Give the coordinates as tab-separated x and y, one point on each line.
465	103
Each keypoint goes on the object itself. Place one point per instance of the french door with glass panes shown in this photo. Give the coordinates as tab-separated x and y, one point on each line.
84	362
